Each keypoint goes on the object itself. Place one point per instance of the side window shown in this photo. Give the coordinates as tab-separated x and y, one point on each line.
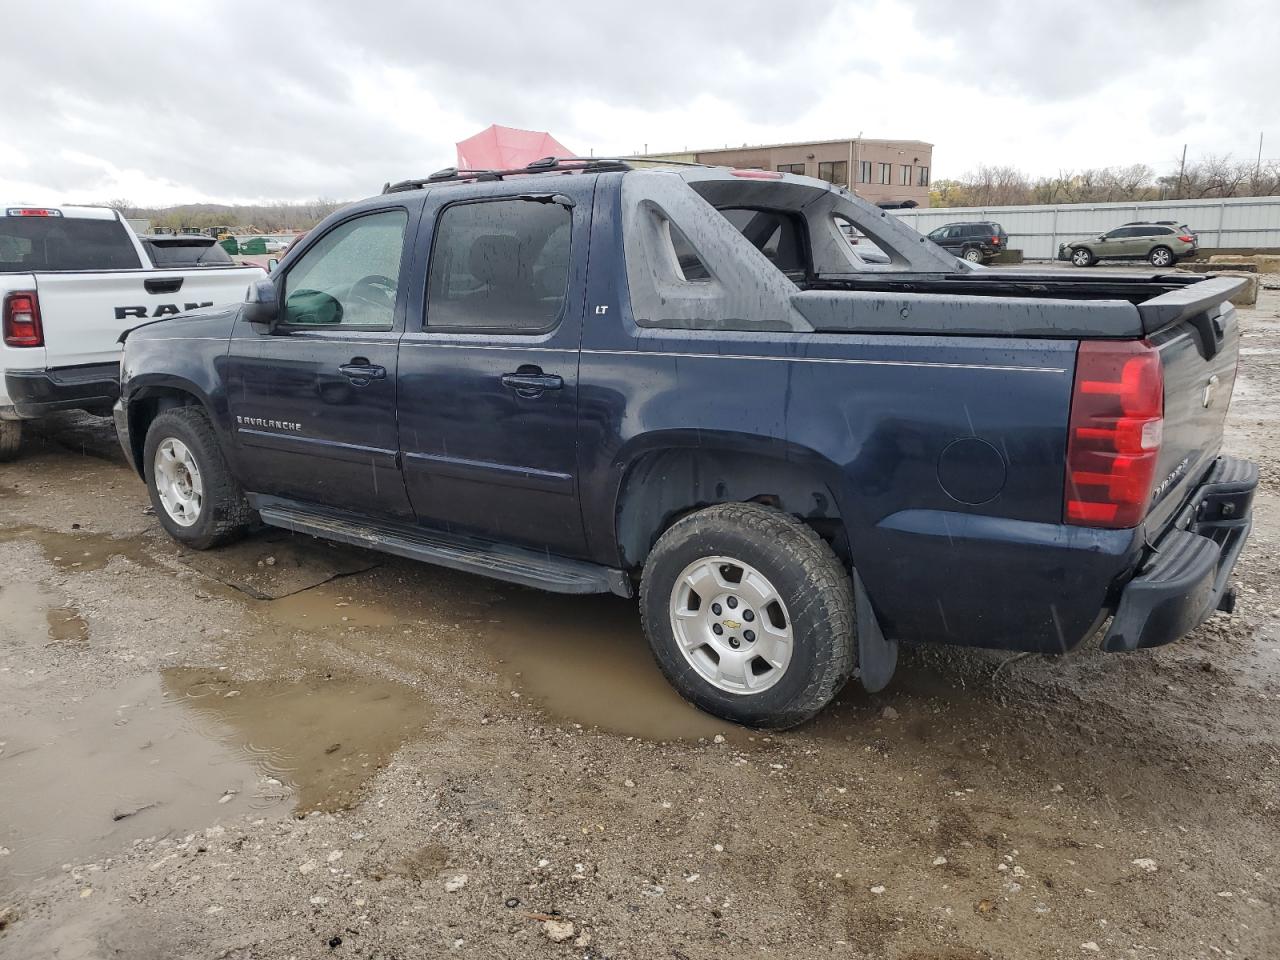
350	277
499	265
1118	234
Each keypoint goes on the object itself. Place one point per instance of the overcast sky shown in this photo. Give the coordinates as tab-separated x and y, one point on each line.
173	102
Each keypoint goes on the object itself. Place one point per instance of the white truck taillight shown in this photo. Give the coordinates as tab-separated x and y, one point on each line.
20	319
1116	426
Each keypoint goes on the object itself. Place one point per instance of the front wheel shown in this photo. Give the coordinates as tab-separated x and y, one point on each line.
973	255
1082	257
10	439
749	614
1161	257
194	495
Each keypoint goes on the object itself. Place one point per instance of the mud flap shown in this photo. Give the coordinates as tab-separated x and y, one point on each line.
877	657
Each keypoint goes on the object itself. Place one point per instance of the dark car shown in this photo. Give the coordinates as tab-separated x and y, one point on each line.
1161	243
684	386
185	250
975	241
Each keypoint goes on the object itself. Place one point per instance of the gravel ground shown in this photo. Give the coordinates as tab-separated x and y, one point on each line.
244	758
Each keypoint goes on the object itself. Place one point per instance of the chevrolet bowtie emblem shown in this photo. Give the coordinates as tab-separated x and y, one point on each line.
732	624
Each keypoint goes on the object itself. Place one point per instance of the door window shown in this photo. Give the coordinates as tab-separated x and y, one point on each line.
500	265
349	277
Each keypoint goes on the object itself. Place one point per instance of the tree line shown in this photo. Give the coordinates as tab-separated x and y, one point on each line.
282	217
1210	177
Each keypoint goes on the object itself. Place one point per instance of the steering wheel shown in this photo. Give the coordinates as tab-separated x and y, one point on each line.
375	290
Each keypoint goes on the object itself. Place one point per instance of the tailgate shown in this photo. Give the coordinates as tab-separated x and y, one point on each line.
85	313
1198	346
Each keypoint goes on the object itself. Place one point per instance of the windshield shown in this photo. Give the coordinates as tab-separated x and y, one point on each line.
50	244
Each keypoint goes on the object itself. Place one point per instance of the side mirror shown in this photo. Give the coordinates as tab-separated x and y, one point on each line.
272	264
261	304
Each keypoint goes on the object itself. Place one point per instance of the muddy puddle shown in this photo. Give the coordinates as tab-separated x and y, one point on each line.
322	736
80	550
584	659
169	753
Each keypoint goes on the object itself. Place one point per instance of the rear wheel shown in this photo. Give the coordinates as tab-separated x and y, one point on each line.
194	495
749	614
10	439
1083	257
1161	257
972	254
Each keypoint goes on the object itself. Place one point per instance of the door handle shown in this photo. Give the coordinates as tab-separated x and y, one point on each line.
360	371
531	381
163	284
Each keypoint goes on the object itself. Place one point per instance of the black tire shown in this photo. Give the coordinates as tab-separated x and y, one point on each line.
972	254
224	513
1083	257
10	439
808	577
1161	257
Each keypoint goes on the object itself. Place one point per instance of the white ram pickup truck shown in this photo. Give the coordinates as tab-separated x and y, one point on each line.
72	279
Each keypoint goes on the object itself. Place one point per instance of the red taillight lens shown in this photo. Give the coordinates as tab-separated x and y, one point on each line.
21	320
1187	238
995	241
757	174
1117	423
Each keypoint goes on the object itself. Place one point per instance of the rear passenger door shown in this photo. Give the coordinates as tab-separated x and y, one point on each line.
489	364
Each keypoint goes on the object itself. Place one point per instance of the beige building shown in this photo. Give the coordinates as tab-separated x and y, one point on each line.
888	172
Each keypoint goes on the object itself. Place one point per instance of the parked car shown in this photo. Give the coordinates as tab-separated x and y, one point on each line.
185	250
976	242
73	278
793	461
1162	244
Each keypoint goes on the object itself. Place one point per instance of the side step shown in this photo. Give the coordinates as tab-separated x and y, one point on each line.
470	554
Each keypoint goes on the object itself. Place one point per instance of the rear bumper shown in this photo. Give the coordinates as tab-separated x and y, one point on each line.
1187	576
35	393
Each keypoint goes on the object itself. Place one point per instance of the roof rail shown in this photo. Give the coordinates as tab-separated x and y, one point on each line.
545	165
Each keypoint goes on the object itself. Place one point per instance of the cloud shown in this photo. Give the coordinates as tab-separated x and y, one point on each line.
166	102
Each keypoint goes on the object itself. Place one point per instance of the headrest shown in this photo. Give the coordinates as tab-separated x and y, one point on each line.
495	259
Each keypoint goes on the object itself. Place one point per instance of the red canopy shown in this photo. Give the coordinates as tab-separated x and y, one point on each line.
505	148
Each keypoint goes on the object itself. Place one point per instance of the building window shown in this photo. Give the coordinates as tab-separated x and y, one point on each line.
864	171
791	168
923	179
886	173
904	175
834	171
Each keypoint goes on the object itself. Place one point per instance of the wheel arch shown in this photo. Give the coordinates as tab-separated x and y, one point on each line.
668	477
147	400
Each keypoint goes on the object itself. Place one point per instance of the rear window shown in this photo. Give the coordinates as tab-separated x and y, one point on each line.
776	235
51	244
187	253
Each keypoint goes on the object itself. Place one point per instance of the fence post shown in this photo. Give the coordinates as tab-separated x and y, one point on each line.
1053	229
1222	212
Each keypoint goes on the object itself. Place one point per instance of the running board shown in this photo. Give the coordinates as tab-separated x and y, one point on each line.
499	561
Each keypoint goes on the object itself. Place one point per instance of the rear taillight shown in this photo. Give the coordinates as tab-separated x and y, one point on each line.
21	320
995	241
1117	423
1187	238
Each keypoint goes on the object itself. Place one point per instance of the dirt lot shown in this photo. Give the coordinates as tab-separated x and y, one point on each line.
291	750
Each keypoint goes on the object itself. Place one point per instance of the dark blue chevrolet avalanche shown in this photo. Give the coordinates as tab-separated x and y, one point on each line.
682	384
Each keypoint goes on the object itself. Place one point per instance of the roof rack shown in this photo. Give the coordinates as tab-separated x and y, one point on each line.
545	165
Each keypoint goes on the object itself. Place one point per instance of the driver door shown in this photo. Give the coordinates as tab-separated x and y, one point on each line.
313	400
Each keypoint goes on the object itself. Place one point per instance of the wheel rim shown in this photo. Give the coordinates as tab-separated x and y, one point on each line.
1081	258
1160	258
731	625
178	482
973	256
